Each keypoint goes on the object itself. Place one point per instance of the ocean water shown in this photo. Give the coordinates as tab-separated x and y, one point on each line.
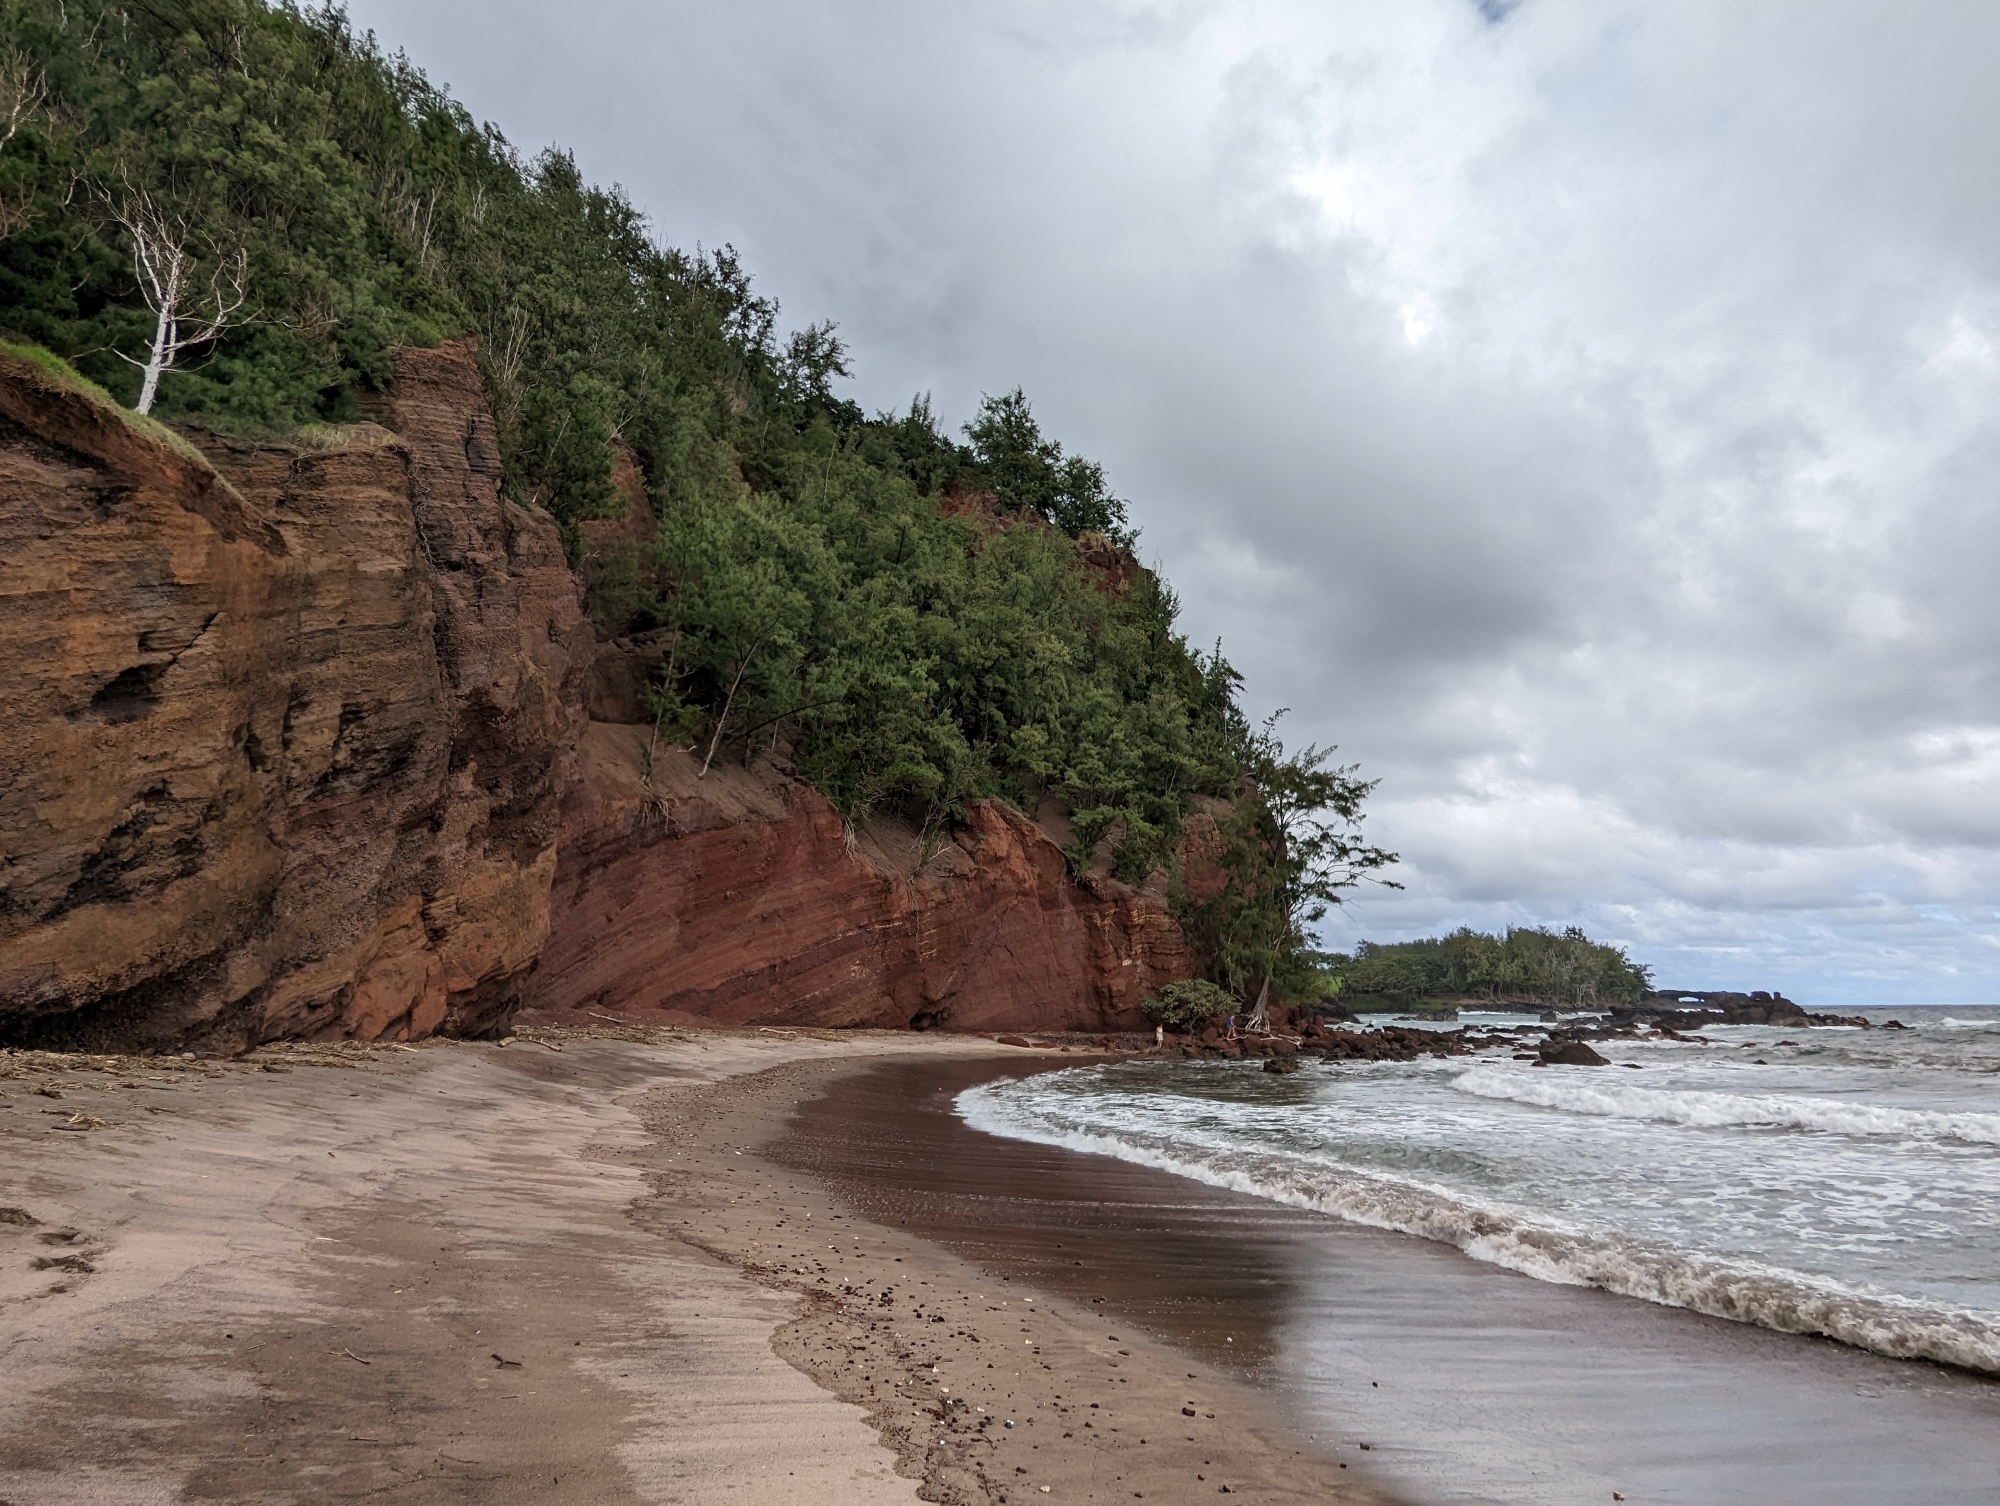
1841	1182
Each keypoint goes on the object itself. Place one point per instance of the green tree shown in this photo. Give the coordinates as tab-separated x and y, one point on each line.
1188	1007
1528	964
1031	472
1288	848
818	596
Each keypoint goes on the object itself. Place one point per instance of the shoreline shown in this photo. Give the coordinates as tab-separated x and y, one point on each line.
1098	1415
560	1270
632	1265
1471	1382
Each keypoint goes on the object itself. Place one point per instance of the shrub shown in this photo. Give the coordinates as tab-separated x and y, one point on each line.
1190	1006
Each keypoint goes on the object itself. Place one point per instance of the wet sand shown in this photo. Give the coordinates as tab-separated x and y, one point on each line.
1469	1383
633	1266
415	1276
554	1272
986	1388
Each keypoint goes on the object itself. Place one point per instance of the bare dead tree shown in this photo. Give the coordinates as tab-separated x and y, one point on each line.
186	312
23	91
1260	1018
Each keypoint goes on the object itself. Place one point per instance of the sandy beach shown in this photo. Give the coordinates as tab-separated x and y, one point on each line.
632	1265
562	1270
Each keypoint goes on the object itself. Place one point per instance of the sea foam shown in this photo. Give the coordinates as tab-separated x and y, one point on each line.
1571	1093
1740	1290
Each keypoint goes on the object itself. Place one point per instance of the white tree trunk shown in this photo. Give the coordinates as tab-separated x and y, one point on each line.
165	267
1258	1019
156	362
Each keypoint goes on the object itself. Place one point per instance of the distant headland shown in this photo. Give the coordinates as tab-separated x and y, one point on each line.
1537	970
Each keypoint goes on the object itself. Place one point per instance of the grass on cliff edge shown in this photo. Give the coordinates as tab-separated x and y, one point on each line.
70	379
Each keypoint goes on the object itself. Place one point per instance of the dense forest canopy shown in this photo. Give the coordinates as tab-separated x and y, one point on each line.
1530	964
320	202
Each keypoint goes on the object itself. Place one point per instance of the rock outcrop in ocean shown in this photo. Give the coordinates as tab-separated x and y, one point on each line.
1691	1009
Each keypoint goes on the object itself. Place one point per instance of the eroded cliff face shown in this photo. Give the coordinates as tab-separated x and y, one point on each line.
742	899
286	729
295	743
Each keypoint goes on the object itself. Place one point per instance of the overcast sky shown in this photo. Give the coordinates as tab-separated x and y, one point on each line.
1581	411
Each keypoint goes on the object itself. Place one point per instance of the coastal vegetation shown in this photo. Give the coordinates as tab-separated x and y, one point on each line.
1190	1006
1527	965
231	214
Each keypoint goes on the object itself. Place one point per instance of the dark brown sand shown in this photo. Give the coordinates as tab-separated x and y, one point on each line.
1469	1383
626	1270
987	1388
414	1276
556	1273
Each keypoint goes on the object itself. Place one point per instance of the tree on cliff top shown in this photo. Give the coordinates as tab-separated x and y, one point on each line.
1032	472
189	309
818	602
1286	850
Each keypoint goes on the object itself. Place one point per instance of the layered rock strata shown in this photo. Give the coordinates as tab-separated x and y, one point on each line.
295	742
287	728
741	898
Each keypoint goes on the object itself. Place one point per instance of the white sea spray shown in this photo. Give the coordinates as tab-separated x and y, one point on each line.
1816	1208
1715	1110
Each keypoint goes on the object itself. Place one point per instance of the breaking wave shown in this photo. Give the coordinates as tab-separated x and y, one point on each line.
1739	1290
1711	1110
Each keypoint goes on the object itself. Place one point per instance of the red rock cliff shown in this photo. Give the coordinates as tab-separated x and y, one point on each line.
294	744
742	899
284	756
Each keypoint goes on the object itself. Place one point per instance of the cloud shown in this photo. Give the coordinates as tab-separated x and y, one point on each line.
1583	411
